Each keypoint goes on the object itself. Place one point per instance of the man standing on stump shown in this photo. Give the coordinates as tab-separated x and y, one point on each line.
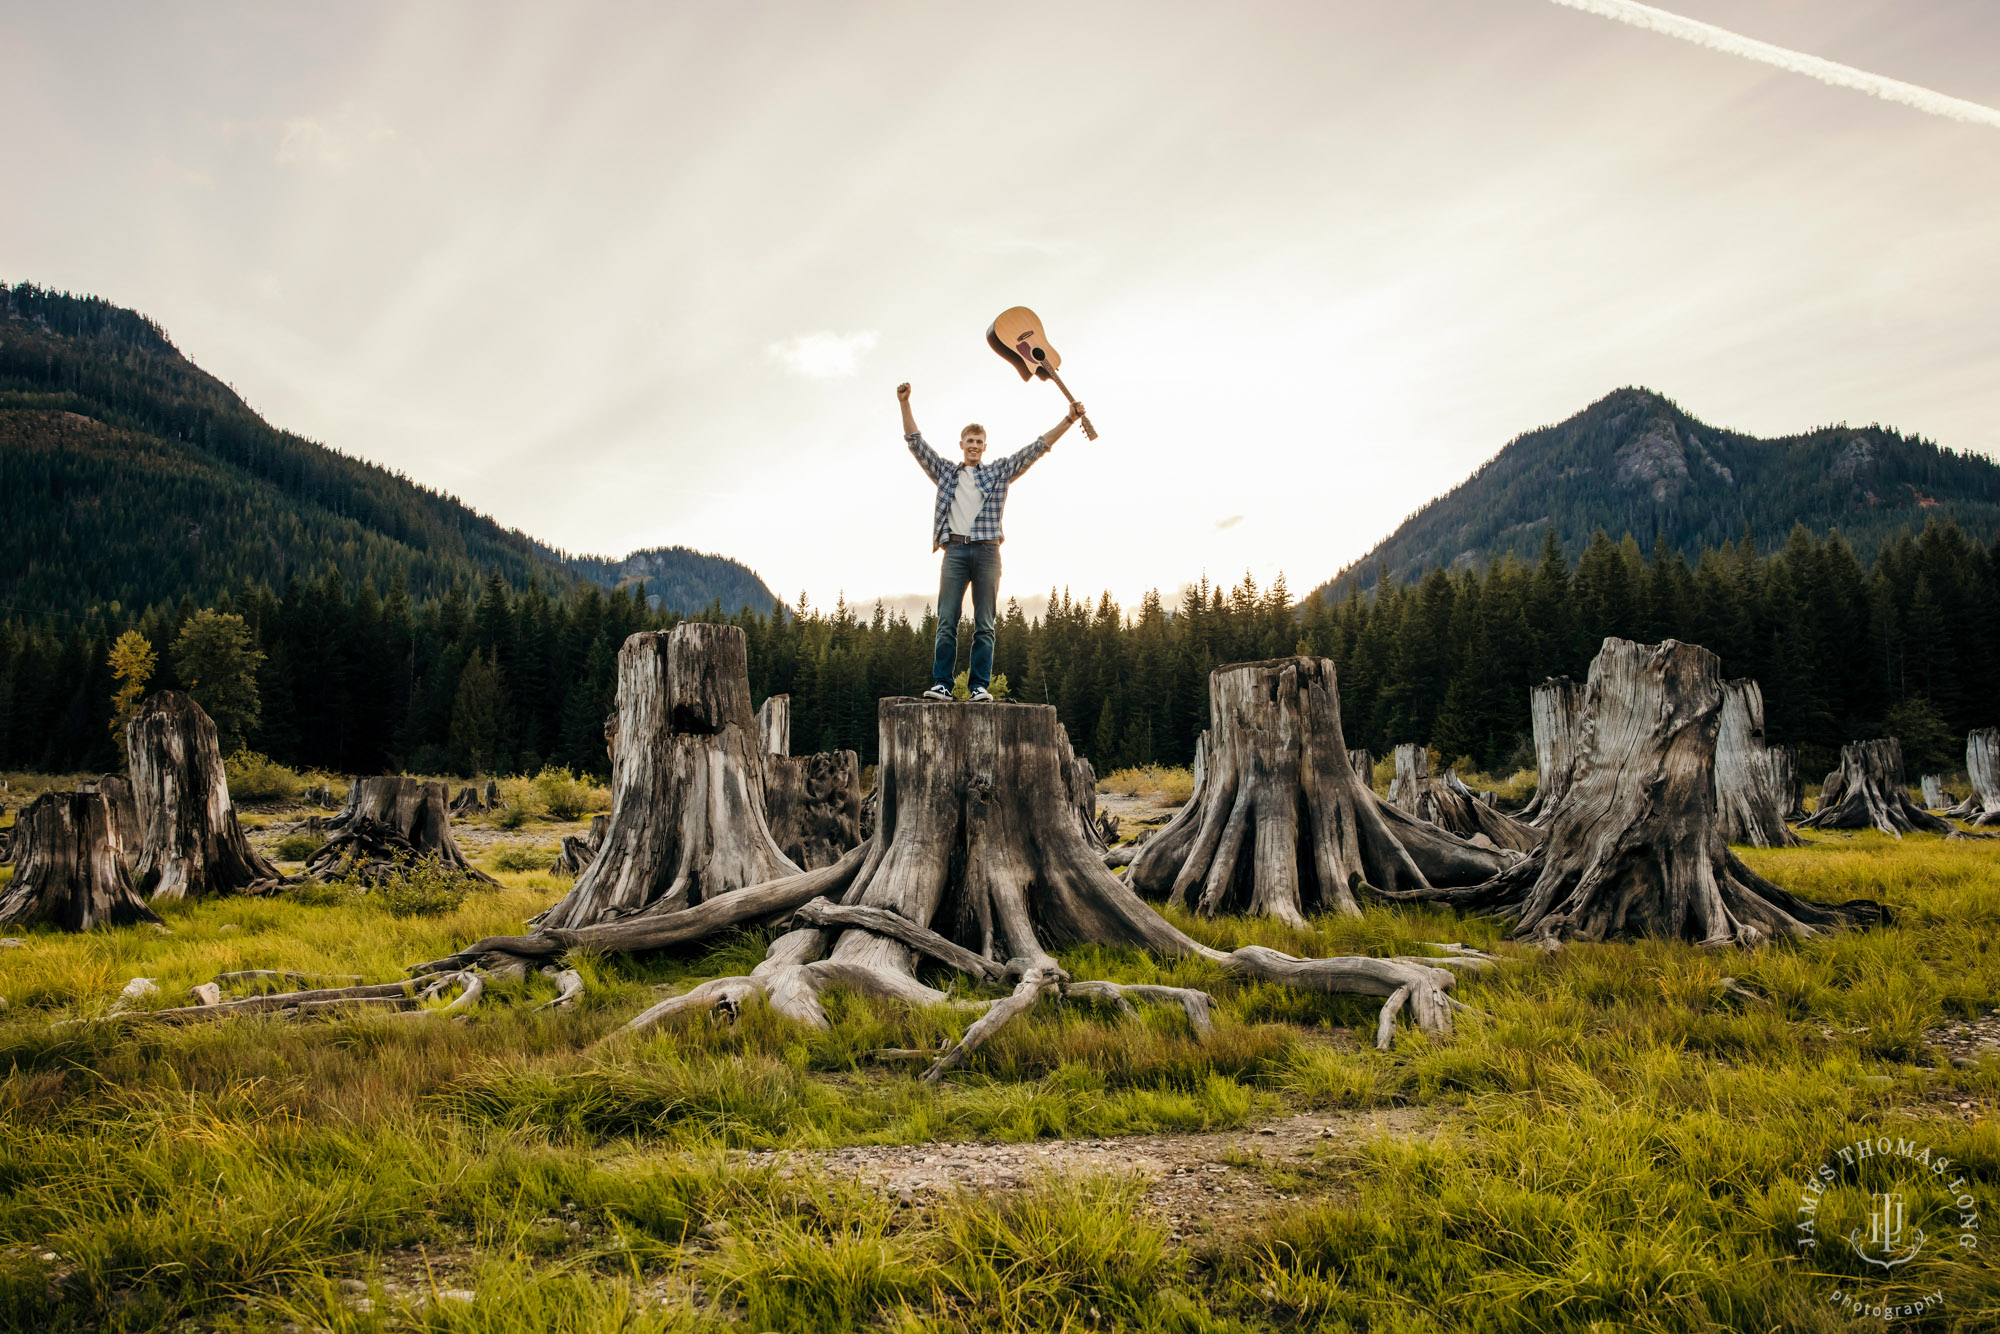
966	524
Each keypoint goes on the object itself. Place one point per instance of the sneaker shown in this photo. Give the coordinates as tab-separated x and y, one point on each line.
939	691
982	696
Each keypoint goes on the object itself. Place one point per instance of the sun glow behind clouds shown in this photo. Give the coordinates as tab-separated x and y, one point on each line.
825	356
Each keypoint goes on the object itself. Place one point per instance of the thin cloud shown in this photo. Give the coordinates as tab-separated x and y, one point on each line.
1784	58
825	356
1229	522
336	141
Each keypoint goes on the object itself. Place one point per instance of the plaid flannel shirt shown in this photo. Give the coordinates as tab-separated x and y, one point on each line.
992	478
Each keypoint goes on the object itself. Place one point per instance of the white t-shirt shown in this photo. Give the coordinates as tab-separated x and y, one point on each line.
965	505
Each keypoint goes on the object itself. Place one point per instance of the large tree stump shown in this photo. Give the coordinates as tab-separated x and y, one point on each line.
1553	708
978	863
687	783
68	867
1280	823
813	803
389	820
192	843
1750	790
1868	789
1635	848
1449	804
1982	766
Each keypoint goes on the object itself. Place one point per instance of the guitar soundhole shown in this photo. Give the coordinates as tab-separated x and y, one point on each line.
1038	355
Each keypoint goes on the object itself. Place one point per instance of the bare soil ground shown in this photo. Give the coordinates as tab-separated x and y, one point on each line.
1197	1185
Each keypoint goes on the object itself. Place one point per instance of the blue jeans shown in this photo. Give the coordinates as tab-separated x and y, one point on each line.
978	564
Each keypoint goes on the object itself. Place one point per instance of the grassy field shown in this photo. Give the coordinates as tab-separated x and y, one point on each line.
1613	1143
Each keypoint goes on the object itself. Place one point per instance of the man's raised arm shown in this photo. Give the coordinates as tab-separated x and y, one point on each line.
927	458
1015	464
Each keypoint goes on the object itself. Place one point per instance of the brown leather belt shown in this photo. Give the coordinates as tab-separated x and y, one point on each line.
953	538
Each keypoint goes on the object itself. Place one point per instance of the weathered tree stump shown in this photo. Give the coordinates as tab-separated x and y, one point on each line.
577	853
389	820
1281	824
1932	786
1750	791
1553	707
1362	761
1868	789
1450	805
467	802
192	843
1982	766
1784	767
687	783
774	725
978	863
1083	795
68	867
124	804
813	803
1635	848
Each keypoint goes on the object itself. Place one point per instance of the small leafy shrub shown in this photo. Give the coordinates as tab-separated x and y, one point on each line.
961	685
565	796
255	777
520	801
419	887
423	888
523	859
297	847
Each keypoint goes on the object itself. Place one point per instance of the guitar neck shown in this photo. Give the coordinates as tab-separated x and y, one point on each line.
1089	431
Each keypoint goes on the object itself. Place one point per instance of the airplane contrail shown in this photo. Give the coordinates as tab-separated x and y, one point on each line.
1798	62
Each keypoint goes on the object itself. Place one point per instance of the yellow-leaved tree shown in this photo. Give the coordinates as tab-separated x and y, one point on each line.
132	663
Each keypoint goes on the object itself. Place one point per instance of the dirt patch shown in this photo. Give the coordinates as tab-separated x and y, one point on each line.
1195	1184
1965	1042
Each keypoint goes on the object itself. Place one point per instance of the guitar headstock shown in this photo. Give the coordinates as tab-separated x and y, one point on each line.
1017	335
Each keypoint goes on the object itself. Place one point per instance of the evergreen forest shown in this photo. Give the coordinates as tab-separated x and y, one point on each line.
487	678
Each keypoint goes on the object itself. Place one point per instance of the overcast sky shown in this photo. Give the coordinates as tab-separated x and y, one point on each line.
627	276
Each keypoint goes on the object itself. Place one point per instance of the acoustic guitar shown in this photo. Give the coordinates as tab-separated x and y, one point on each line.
1018	337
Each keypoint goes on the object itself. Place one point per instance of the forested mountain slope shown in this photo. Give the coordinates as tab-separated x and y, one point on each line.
130	475
1633	462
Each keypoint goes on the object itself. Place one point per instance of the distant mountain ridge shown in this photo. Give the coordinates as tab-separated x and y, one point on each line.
1635	462
128	474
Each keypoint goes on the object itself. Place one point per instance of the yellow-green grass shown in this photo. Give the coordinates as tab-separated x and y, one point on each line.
1165	784
1620	1142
